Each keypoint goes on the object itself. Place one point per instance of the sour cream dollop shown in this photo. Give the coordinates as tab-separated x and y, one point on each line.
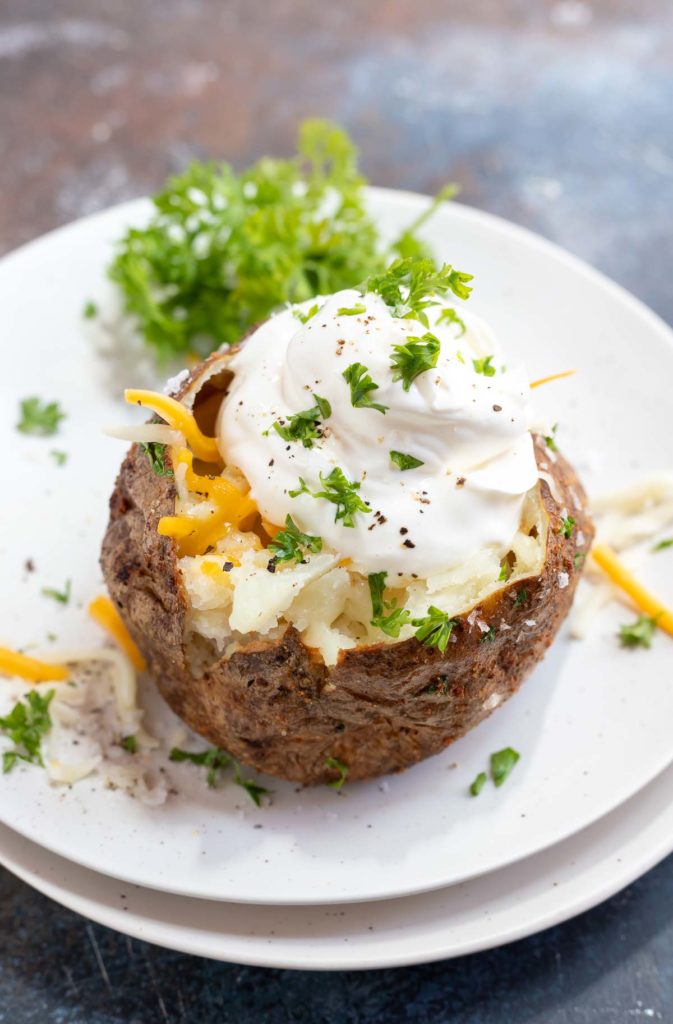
470	431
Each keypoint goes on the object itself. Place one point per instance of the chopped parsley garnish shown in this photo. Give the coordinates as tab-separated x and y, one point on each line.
578	558
38	417
488	637
361	384
484	366
663	544
60	458
216	761
567	526
502	763
550	439
386	616
521	597
434	630
335	765
414	357
403	461
90	310
478	784
449	316
62	596
355	310
129	744
341	491
224	250
638	633
290	544
412	284
26	724
305	317
305	426
505	570
156	454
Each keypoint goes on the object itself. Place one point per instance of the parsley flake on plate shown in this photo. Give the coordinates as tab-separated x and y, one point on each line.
361	384
478	783
90	310
415	357
502	763
62	596
39	418
341	491
290	544
217	761
638	633
26	724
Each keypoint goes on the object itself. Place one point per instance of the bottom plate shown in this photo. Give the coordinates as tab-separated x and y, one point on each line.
476	915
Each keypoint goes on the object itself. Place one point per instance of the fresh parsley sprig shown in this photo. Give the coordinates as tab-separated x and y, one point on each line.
342	492
386	616
411	285
156	455
39	418
290	544
415	357
217	761
305	426
26	724
361	384
435	628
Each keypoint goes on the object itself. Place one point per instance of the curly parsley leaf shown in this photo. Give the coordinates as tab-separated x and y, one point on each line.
38	417
361	384
252	788
62	596
213	758
156	454
449	316
478	784
567	526
355	310
638	633
333	764
305	426
26	724
341	491
403	461
502	763
435	628
413	358
410	285
290	544
484	366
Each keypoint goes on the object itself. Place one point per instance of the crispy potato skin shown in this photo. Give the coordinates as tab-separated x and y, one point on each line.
277	707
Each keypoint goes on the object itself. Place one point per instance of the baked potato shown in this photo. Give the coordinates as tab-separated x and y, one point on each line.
278	703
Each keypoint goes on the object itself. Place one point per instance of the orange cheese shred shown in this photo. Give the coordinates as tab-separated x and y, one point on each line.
554	376
626	581
178	417
14	664
106	615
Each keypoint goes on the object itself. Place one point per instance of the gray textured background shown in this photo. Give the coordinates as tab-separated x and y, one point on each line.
558	115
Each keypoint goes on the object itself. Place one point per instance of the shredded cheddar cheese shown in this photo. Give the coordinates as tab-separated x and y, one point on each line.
14	664
106	615
626	581
554	376
178	417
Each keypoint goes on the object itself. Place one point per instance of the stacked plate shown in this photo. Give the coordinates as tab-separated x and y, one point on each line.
401	870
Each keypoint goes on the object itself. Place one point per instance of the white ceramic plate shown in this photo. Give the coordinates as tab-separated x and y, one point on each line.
490	911
592	723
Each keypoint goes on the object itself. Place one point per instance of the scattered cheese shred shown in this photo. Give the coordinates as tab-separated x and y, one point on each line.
14	664
554	376
626	581
179	418
106	615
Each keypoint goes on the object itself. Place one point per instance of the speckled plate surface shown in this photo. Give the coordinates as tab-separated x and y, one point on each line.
592	723
490	911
